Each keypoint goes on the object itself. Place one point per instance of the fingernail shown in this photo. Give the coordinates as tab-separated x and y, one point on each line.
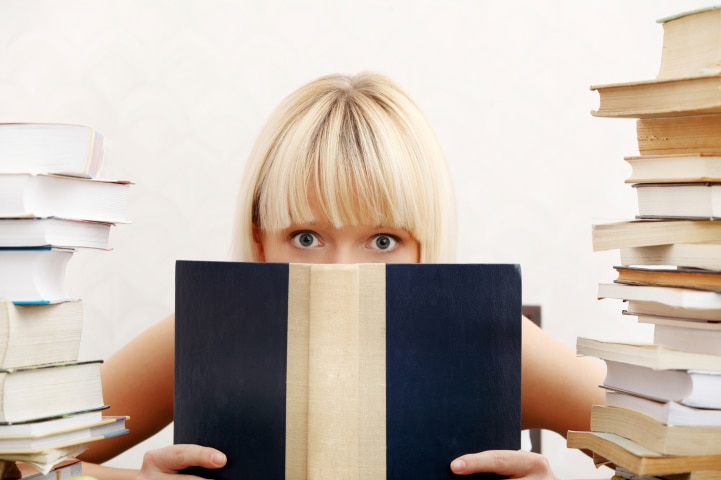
458	465
218	459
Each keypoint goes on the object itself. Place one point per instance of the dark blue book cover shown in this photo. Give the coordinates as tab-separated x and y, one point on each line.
441	360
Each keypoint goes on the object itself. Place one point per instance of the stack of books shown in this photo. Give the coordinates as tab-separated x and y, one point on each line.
53	203
662	416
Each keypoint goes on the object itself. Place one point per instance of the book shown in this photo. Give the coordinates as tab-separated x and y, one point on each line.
705	255
687	135
642	233
657	357
655	312
340	371
66	149
711	326
656	98
694	278
654	435
691	336
669	413
55	232
41	392
37	334
636	458
105	428
691	43
34	275
685	298
65	470
45	460
38	195
51	425
623	474
693	388
680	168
679	200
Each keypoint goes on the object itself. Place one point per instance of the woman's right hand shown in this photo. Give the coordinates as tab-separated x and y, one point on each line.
171	459
511	464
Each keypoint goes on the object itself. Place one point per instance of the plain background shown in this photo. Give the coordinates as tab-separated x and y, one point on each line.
181	88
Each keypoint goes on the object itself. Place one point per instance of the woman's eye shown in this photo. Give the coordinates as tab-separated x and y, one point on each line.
384	242
305	239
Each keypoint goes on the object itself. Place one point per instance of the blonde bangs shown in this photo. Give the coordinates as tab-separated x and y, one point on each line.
340	168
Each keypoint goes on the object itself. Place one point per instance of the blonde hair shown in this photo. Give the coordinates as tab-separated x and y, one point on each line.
365	150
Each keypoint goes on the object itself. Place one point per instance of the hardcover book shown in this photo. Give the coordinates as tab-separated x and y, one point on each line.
688	135
689	335
690	387
64	470
681	168
651	355
644	233
699	255
38	334
669	413
346	371
656	312
39	195
658	98
75	150
41	392
693	278
55	232
640	460
692	200
34	275
654	435
691	43
686	299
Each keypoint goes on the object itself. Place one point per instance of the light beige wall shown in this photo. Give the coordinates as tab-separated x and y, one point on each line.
180	88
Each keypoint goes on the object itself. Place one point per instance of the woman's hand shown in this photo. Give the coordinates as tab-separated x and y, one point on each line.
507	463
171	459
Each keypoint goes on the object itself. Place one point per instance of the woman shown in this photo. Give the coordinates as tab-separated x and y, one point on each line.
346	170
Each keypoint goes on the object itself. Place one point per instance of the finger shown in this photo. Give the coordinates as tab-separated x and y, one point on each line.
174	458
507	463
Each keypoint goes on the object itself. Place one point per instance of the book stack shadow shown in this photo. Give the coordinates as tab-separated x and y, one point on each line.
53	204
662	415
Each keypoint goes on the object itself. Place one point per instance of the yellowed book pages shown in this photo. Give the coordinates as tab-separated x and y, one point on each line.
652	434
691	43
327	438
688	135
639	460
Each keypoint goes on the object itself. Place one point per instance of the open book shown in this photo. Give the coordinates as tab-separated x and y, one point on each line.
347	371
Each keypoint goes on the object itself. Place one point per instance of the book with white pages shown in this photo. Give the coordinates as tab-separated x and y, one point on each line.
689	323
669	413
689	337
679	200
644	309
76	150
34	275
698	255
44	427
54	231
646	354
679	297
38	195
106	427
694	388
681	167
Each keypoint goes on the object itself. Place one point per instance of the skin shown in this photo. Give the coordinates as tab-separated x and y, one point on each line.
559	402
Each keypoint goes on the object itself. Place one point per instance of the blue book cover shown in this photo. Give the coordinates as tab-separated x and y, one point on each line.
369	371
